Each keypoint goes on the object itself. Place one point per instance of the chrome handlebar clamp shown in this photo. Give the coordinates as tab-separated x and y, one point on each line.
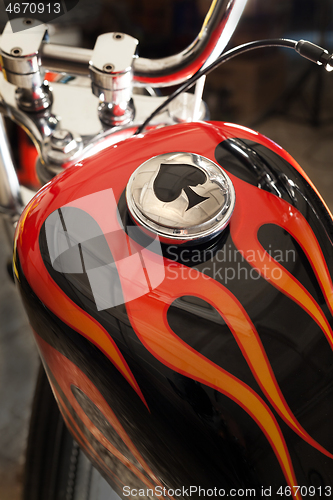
59	148
21	63
112	77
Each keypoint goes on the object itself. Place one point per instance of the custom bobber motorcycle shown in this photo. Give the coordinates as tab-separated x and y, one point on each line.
177	277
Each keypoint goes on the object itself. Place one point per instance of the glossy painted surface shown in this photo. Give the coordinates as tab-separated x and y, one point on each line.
204	365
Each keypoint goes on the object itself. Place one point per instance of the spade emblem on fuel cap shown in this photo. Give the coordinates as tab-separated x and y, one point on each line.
181	196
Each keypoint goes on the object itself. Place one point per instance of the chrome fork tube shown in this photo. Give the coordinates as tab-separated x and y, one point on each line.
10	198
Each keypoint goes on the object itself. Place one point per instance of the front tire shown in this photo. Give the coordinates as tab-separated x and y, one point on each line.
56	468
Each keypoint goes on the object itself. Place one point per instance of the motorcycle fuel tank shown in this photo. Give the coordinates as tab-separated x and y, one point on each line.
179	287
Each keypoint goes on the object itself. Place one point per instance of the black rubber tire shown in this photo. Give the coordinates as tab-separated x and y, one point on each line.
56	469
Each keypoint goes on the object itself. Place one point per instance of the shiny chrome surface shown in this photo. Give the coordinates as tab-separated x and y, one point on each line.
215	33
10	197
67	107
181	195
20	51
62	146
113	53
33	100
112	77
22	55
38	126
21	63
61	58
199	88
22	45
186	108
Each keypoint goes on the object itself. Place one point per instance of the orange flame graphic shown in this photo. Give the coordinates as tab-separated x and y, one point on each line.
75	317
266	208
83	323
161	341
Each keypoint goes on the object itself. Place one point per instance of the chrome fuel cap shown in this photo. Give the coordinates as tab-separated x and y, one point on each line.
181	196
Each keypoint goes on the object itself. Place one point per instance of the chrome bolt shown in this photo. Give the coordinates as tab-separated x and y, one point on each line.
61	146
62	140
108	68
61	135
56	156
16	51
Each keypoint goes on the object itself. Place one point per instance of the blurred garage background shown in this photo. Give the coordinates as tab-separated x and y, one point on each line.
273	91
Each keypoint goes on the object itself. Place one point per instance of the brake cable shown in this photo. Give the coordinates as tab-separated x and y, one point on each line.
306	49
